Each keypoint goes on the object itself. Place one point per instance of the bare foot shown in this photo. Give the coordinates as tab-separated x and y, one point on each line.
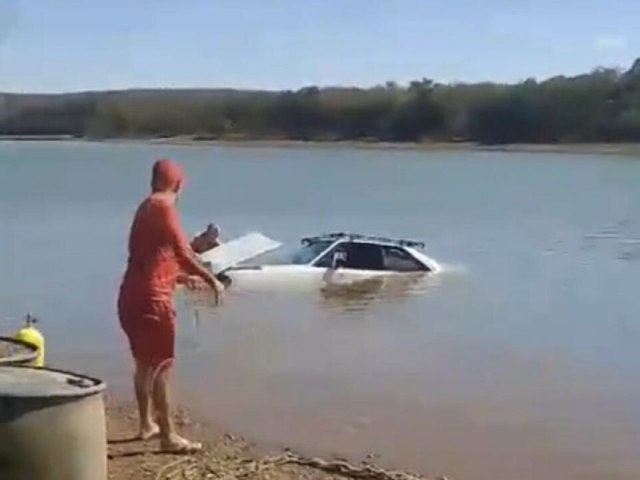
179	445
149	432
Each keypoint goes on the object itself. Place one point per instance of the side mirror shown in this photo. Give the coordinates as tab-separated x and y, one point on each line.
339	259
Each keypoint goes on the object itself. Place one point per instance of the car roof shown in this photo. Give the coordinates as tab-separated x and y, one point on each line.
359	238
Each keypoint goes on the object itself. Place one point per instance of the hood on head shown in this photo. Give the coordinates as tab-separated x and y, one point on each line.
167	176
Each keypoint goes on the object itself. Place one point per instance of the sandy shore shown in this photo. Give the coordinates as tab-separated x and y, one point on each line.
625	149
225	456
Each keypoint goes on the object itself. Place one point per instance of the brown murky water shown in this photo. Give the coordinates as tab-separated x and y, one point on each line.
518	362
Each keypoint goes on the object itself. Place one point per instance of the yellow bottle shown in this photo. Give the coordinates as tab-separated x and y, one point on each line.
32	336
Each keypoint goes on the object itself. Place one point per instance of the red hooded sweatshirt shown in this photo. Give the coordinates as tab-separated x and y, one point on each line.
159	252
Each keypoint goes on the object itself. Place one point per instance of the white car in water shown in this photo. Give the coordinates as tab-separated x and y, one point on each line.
324	260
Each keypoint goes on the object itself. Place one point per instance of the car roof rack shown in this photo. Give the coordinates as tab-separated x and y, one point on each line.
335	236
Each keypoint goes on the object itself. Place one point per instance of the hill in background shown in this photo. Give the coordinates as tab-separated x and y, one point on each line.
601	106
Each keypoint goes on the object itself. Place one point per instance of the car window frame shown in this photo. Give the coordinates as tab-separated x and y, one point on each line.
420	267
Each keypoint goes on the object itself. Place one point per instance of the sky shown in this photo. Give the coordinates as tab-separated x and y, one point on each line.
73	45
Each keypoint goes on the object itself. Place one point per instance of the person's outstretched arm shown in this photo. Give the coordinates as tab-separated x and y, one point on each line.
184	254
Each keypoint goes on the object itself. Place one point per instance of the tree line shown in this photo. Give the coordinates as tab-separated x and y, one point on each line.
600	106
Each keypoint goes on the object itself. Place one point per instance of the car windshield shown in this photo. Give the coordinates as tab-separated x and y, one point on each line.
290	255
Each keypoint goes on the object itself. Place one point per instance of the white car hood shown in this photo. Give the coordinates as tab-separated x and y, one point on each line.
243	248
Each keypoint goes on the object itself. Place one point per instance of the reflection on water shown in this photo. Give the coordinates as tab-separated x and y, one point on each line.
355	296
359	295
622	239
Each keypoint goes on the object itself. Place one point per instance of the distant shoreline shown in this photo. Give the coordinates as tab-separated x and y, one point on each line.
626	149
586	148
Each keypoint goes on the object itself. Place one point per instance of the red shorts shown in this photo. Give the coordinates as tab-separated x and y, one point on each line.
150	326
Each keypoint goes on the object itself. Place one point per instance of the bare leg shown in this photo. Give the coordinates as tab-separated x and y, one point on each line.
142	383
169	438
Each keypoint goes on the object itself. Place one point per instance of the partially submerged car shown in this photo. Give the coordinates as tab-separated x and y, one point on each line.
331	259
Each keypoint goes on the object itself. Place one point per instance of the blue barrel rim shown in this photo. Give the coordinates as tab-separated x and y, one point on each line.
99	386
21	358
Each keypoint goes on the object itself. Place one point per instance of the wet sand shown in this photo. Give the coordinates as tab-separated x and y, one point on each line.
224	456
623	149
630	149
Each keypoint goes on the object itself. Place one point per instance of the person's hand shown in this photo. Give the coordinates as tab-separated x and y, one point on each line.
196	283
218	288
206	240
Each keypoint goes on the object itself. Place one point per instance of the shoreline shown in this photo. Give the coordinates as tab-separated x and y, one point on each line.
596	148
625	149
225	455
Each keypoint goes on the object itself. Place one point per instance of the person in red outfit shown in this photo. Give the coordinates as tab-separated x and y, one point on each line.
160	257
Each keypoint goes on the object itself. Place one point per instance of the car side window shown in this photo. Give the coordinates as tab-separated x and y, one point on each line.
356	255
364	256
398	260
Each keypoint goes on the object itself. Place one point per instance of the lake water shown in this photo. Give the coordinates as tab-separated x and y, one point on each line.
521	361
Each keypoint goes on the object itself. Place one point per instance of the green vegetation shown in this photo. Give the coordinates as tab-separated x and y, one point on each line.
601	106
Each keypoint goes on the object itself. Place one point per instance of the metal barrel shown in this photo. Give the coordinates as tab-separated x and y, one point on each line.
52	425
16	352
